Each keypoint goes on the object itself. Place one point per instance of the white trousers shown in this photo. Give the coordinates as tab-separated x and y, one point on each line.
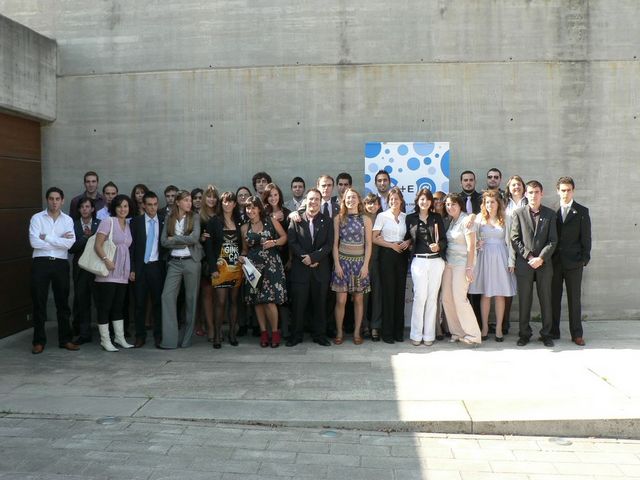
426	274
460	317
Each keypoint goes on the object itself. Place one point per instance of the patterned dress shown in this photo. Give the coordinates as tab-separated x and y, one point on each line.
272	285
351	257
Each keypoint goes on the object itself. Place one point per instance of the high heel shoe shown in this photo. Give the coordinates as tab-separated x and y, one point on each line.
264	339
499	339
233	341
275	339
217	344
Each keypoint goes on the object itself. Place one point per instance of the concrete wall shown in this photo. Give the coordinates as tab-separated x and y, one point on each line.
27	71
194	92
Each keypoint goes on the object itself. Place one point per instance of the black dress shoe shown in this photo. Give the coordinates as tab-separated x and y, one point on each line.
522	341
439	337
217	345
499	339
233	341
398	339
292	342
81	340
547	342
484	338
322	341
388	340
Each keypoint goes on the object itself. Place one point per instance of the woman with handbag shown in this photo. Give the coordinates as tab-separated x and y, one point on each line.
110	290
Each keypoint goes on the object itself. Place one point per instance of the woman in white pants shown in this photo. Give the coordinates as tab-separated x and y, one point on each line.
426	230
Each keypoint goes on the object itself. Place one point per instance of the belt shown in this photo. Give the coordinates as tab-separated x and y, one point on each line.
427	255
180	258
50	259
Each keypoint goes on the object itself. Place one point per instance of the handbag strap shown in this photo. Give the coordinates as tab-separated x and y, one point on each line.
111	232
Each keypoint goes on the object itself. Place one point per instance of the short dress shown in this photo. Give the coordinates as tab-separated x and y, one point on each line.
491	275
228	260
351	257
271	287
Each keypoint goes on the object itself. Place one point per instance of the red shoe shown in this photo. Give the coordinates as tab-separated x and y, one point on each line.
264	339
275	339
200	332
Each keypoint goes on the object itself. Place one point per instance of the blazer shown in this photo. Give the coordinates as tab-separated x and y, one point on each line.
320	249
81	241
539	242
412	221
574	237
191	241
476	201
139	244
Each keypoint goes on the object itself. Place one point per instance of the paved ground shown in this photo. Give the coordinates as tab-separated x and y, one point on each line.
447	388
59	448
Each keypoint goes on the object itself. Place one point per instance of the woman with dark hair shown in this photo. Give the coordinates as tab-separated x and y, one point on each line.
137	192
242	194
181	237
245	312
389	233
110	291
458	274
222	249
196	198
429	240
351	254
373	299
492	276
210	208
261	239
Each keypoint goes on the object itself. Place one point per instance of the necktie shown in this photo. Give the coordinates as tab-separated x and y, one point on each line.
311	228
326	209
565	211
151	236
468	206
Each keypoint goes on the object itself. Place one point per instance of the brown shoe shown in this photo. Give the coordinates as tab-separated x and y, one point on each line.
37	348
357	340
139	343
579	341
70	346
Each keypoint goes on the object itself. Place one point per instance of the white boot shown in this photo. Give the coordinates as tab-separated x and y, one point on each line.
105	339
118	338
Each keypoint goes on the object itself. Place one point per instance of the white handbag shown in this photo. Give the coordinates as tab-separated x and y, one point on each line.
91	262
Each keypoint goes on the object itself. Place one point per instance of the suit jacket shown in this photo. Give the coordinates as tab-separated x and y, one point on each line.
139	244
476	201
574	237
540	241
81	241
191	241
299	238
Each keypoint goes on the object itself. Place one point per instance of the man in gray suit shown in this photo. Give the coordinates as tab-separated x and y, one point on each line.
534	237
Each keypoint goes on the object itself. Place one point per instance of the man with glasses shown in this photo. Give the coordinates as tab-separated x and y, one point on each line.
343	181
494	178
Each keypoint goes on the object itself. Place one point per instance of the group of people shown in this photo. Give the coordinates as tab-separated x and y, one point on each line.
249	259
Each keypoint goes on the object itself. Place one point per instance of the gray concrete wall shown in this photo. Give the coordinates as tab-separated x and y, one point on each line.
27	71
194	92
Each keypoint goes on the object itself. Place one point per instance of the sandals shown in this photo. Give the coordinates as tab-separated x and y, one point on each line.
357	340
338	340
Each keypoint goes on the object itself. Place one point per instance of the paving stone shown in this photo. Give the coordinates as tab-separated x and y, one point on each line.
461	465
588	469
214	452
522	467
490	454
535	456
328	459
421	451
359	450
165	474
264	455
422	474
493	476
307	447
338	472
137	447
608	457
295	470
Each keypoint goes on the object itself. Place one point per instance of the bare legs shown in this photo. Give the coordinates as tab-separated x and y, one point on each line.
358	312
485	307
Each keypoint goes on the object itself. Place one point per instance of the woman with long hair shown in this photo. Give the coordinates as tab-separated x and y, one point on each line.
210	207
492	278
372	317
351	255
389	234
181	237
222	248
261	240
110	291
428	240
458	274
137	192
196	198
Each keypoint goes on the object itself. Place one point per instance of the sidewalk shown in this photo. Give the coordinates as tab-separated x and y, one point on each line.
448	388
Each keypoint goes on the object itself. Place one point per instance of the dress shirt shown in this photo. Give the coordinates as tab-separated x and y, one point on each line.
148	222
565	209
535	216
327	208
103	213
54	243
184	251
391	230
384	203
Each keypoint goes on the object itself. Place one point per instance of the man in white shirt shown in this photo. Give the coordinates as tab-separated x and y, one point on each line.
109	192
297	190
51	235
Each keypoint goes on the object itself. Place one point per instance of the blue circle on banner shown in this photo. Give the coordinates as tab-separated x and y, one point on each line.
391	160
427	161
367	178
372	149
413	163
388	169
399	170
425	182
444	164
373	167
423	148
445	186
387	151
403	149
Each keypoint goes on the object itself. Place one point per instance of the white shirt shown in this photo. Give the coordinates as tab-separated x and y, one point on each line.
147	225
103	213
184	251
384	202
391	230
54	243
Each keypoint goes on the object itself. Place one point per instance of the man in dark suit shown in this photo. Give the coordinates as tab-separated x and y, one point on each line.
148	267
84	227
534	238
472	199
571	256
311	243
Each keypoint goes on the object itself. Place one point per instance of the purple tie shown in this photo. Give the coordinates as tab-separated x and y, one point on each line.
311	228
469	207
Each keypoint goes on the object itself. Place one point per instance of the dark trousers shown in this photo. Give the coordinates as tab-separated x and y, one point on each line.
313	294
393	282
109	298
45	272
572	278
82	285
543	278
149	281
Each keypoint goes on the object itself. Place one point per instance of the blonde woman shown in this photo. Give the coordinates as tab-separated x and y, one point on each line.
209	208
